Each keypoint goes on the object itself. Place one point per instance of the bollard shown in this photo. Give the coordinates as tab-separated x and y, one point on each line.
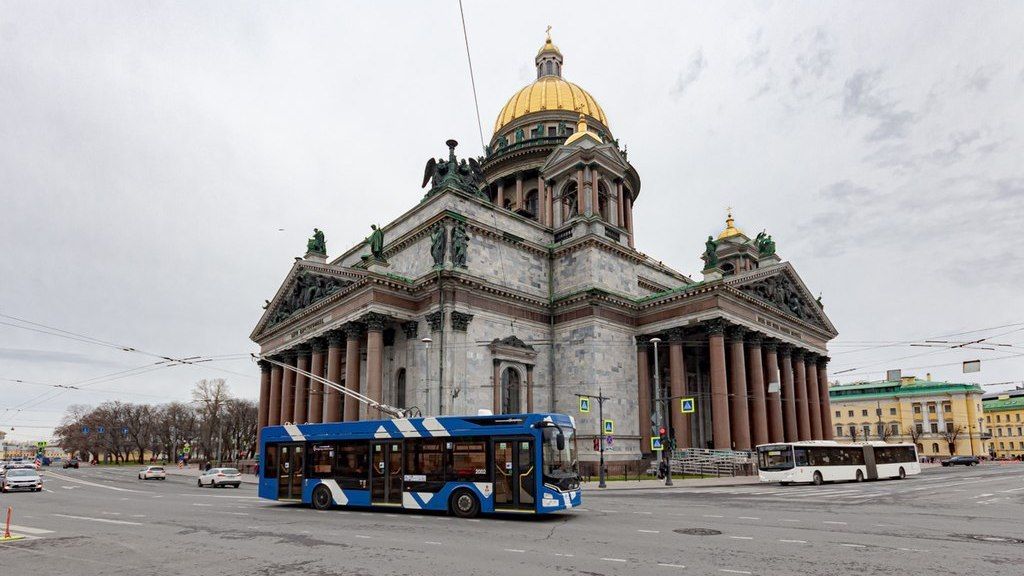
7	525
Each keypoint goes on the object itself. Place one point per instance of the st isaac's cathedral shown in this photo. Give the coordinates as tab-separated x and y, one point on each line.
514	285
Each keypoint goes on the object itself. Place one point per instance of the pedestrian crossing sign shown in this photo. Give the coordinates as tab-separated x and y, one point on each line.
584	404
687	405
609	427
656	444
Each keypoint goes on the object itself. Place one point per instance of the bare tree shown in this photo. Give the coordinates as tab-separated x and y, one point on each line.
210	398
950	436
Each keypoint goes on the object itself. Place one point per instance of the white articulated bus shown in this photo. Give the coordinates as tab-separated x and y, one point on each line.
818	461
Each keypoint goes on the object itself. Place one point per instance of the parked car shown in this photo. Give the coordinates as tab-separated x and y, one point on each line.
961	461
21	479
217	477
71	463
153	472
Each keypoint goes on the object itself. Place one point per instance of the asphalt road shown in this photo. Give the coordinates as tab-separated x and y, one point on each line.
962	521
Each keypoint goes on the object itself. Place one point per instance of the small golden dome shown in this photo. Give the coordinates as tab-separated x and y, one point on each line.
582	130
549	46
549	93
730	230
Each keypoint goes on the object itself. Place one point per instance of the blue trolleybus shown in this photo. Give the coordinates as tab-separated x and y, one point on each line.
462	464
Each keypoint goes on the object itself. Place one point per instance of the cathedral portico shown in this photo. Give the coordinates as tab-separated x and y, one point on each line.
514	284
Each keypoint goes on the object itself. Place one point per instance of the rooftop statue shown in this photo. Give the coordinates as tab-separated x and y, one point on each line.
317	243
710	253
438	243
764	244
376	241
466	175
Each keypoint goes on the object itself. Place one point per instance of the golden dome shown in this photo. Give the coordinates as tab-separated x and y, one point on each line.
549	93
730	229
549	46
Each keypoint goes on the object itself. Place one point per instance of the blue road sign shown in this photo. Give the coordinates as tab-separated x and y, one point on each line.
85	429
124	430
687	405
656	444
101	429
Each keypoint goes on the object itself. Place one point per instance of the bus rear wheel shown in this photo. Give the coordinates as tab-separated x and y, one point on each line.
322	499
859	477
464	504
903	473
817	479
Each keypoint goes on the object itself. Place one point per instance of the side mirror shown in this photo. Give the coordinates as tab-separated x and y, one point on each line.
560	441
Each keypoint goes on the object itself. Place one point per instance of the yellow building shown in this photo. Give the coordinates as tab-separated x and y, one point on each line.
1004	417
942	418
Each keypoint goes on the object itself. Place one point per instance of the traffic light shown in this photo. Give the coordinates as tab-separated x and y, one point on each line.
662	431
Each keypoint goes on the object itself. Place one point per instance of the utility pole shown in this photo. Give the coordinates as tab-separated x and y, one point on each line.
666	455
426	372
600	426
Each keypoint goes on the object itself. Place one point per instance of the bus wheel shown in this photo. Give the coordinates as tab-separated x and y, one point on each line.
464	504
322	499
860	476
903	473
817	479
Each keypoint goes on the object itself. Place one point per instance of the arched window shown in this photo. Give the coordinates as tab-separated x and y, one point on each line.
548	67
920	447
570	201
510	391
532	203
400	391
935	447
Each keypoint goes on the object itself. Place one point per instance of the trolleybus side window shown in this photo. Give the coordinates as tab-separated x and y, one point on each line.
424	464
323	460
270	466
352	464
468	461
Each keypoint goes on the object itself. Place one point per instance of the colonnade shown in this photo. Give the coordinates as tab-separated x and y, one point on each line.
289	397
741	365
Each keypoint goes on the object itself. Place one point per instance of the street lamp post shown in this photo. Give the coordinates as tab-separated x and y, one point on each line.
662	414
426	370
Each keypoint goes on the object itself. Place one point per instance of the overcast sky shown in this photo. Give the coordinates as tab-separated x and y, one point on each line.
152	153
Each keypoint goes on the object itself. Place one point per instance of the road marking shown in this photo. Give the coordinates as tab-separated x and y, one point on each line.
671	565
238	513
912	550
794	541
712	516
28	530
200	504
746	518
853	545
158	496
788	520
1012	490
650	531
564	555
513	550
833	522
104	520
87	483
733	571
614	559
742	537
138	515
363	537
648	513
609	511
983	495
433	543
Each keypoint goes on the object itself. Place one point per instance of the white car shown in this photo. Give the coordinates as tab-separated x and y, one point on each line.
217	477
21	479
154	472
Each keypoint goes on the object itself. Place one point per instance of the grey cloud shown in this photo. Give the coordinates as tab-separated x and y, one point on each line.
980	79
39	356
863	97
847	191
816	57
691	73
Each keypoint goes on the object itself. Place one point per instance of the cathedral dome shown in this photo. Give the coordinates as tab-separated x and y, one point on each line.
549	93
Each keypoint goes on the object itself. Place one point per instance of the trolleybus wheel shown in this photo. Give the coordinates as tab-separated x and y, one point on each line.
817	479
322	499
860	476
464	504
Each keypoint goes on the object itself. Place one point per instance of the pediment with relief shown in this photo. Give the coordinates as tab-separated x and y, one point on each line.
303	289
788	295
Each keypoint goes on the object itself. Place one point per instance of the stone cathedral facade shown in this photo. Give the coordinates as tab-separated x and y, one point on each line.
514	285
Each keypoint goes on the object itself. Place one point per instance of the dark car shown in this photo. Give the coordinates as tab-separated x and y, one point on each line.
71	463
961	461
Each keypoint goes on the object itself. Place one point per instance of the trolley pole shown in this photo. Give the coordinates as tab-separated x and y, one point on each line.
600	428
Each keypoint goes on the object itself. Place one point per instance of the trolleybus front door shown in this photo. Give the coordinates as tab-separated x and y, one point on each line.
386	473
290	472
514	474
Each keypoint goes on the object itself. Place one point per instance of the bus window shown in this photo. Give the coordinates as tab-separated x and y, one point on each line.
323	460
270	466
469	461
352	465
775	458
800	456
424	465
